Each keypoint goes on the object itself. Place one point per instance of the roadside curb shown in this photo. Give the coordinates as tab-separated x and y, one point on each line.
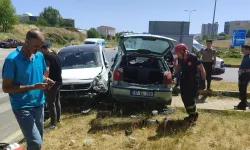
210	110
231	66
224	93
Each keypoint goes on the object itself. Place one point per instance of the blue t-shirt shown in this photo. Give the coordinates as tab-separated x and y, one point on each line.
24	71
245	64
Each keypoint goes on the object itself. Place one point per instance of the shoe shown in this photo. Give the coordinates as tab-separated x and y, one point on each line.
52	127
192	118
241	106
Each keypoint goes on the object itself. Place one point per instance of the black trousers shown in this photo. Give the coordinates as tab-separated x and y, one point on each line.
244	79
53	102
189	91
208	68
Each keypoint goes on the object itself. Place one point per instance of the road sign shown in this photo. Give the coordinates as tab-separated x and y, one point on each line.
239	37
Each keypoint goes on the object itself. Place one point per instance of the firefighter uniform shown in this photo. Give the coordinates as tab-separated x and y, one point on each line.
189	82
208	60
244	78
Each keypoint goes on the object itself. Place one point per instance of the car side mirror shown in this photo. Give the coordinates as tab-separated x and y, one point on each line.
106	64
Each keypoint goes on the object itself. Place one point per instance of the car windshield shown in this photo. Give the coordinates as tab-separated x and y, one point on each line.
89	42
152	44
198	47
74	60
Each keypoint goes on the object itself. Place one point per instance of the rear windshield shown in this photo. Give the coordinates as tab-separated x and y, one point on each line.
89	42
152	44
142	62
73	60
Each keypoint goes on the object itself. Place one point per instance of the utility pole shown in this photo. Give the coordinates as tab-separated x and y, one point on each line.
212	31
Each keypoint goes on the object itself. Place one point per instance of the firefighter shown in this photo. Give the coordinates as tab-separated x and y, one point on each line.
208	60
244	77
189	65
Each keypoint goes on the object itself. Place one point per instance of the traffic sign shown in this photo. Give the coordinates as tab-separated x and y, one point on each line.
239	37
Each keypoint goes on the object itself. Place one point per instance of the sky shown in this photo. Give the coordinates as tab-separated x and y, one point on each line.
134	15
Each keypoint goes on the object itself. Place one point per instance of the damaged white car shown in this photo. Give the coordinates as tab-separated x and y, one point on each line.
84	73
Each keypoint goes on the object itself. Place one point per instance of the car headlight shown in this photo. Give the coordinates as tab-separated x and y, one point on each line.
217	64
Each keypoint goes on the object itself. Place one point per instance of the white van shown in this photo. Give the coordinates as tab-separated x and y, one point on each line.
97	41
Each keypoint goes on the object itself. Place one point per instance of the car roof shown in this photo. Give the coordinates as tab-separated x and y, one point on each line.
81	48
94	39
148	35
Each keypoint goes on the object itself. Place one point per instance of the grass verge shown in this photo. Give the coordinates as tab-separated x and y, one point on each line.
226	86
232	61
111	44
214	130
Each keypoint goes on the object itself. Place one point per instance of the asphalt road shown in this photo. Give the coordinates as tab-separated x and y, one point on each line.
9	129
8	123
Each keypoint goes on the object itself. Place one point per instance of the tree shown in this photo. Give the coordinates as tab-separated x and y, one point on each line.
222	34
92	33
42	22
205	37
66	23
8	16
51	16
248	33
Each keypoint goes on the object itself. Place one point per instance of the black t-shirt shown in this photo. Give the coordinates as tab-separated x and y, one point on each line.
55	68
189	67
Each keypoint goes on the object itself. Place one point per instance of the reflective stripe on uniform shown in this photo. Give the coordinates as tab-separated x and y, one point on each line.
191	109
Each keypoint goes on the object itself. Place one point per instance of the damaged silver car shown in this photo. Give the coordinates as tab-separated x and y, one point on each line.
84	73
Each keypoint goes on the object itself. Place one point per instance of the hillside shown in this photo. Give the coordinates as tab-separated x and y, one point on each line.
58	36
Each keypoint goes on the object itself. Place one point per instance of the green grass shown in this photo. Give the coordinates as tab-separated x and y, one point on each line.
232	61
214	130
111	43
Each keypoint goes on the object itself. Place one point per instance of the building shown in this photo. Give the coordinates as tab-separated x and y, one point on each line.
106	30
178	30
207	29
236	25
29	17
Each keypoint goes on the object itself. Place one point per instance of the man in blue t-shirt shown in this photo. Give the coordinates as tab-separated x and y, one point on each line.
244	77
23	78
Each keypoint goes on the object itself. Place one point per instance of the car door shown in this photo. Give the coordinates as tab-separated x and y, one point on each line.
105	68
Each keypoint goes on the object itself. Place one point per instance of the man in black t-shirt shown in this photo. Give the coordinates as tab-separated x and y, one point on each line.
54	70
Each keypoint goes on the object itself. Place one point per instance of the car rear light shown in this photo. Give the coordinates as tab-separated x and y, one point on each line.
118	74
168	78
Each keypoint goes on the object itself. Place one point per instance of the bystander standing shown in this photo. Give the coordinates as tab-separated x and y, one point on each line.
208	60
244	77
24	80
54	69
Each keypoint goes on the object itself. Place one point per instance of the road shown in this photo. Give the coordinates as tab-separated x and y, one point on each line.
9	129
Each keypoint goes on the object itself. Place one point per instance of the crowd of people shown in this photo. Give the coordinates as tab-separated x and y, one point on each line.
32	69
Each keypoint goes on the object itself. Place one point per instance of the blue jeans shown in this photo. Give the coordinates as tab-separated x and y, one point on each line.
30	121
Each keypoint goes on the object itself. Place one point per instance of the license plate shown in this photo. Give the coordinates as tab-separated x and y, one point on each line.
142	93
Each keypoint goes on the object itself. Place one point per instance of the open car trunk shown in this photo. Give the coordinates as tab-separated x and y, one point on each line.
142	70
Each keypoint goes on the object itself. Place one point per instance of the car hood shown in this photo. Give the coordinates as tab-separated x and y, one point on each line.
80	74
218	59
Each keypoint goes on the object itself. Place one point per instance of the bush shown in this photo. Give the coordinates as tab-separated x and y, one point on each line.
220	53
234	54
55	38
